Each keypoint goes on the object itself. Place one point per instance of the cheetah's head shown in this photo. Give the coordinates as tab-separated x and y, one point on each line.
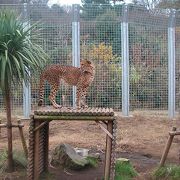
87	66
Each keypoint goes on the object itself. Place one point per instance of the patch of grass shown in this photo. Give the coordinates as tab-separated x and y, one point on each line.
124	171
93	161
170	172
19	158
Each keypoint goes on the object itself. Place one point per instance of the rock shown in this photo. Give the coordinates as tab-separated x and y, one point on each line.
123	160
65	156
95	155
82	151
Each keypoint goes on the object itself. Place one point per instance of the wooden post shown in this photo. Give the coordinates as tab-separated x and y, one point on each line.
23	139
167	147
108	152
46	160
0	128
39	136
36	151
30	169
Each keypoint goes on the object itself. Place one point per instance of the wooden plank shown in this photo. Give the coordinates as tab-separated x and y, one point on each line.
41	125
167	147
111	112
174	133
104	129
23	139
13	125
3	125
82	118
82	111
0	128
97	112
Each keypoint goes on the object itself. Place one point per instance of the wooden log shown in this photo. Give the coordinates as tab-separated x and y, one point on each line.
174	133
104	129
13	125
30	170
0	128
41	125
46	150
3	125
84	118
82	111
167	147
108	152
36	152
23	139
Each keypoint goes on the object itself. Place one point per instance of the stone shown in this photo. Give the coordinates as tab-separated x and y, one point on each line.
65	156
123	160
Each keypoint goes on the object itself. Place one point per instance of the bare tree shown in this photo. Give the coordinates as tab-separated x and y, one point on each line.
174	4
149	4
9	1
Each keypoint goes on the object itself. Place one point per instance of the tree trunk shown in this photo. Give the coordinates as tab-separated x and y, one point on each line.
9	129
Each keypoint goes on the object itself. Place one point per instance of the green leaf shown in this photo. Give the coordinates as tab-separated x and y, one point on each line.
19	52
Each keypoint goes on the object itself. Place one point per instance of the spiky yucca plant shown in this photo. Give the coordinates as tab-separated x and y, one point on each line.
19	55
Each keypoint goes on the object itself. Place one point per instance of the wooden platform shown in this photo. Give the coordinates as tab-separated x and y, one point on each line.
74	112
39	135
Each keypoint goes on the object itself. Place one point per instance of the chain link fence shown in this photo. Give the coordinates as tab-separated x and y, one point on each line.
97	35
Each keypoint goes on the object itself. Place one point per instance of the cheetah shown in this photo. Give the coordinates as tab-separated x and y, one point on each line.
81	77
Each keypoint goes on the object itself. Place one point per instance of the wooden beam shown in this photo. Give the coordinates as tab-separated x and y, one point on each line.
167	147
3	125
174	133
46	150
84	118
15	125
0	128
104	129
23	139
41	125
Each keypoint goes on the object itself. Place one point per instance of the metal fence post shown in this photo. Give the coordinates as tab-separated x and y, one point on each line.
27	86
75	43
125	61
171	65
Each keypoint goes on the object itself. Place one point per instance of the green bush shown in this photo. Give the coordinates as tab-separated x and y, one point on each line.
169	172
124	171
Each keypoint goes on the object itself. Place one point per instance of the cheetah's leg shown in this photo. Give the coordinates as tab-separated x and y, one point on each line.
81	97
78	103
52	96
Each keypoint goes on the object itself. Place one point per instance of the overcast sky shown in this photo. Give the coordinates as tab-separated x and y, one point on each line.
69	2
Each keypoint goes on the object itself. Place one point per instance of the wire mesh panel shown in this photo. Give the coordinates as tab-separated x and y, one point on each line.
56	31
100	42
148	60
177	37
16	90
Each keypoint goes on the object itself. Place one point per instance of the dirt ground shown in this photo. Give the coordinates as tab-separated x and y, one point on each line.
141	138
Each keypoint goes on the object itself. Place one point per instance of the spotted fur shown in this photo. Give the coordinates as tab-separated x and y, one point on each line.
81	77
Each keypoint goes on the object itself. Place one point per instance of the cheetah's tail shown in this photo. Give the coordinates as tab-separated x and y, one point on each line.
41	90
